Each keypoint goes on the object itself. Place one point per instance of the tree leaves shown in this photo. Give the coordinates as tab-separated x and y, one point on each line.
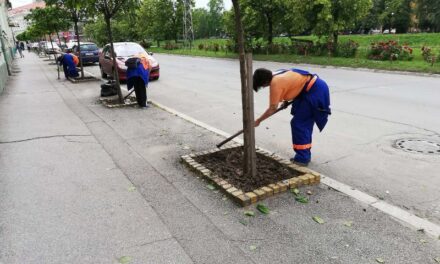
302	199
263	208
124	259
318	220
380	260
249	213
210	186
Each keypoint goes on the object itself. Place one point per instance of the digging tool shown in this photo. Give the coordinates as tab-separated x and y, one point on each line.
132	90
282	107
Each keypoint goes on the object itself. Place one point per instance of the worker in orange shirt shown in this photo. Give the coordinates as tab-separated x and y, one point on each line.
311	104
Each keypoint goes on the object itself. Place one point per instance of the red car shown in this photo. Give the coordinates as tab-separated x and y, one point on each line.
123	51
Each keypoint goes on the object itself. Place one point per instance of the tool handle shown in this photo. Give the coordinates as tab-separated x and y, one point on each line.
282	107
229	138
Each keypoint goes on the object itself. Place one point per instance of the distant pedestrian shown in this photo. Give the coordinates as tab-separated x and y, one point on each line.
28	45
18	47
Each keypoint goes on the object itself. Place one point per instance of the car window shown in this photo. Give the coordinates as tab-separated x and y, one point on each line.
128	50
88	47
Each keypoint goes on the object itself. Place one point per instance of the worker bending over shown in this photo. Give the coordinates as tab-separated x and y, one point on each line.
138	73
69	62
311	104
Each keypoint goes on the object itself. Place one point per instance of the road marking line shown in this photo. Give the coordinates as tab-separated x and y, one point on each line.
401	215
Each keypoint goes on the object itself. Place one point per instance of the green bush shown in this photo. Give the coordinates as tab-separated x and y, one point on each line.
347	49
146	44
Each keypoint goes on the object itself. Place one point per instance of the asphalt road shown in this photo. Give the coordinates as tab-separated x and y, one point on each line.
371	113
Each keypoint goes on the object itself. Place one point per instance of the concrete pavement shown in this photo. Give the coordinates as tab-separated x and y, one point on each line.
83	183
371	111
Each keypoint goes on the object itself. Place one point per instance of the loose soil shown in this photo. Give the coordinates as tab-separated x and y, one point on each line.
228	165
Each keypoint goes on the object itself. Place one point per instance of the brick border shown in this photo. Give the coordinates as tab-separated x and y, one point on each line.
308	177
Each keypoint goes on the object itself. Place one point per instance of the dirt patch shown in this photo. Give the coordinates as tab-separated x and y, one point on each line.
227	164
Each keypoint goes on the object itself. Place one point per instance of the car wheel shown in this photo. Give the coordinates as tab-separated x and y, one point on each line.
103	74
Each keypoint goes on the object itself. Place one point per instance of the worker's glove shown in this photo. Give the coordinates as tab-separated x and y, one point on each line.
284	105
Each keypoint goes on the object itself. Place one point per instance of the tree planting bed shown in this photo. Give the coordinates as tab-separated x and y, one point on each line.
274	174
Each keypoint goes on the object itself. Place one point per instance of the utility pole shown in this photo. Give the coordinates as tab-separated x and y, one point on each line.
188	31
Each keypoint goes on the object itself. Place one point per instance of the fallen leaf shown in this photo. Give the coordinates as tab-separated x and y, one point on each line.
124	259
318	220
437	259
295	191
224	198
253	247
225	213
263	209
423	241
348	223
131	189
309	192
380	260
302	199
249	213
243	222
421	230
186	148
210	186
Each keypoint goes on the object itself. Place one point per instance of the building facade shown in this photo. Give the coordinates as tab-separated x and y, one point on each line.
17	15
7	47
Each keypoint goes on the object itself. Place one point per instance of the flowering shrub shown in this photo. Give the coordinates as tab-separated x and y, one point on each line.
429	55
390	50
170	46
347	49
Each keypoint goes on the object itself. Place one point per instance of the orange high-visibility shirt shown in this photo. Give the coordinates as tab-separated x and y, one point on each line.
286	86
75	59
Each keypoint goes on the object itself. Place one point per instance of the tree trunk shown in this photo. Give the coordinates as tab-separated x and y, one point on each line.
335	42
269	29
249	167
79	46
115	68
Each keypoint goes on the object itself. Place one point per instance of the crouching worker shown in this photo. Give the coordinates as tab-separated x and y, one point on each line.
69	62
138	73
311	104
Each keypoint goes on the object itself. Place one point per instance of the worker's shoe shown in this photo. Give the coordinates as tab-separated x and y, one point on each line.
299	163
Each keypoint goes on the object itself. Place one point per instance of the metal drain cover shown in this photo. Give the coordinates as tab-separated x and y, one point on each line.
422	146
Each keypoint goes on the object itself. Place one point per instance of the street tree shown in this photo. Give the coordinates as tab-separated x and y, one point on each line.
428	13
76	10
249	154
396	14
109	9
48	20
215	11
201	28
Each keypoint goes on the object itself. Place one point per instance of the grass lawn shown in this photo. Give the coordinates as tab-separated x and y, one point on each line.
415	41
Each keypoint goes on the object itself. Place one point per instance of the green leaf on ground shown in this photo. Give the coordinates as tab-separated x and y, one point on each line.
348	223
380	260
249	213
295	191
253	247
423	241
243	222
302	199
318	220
124	259
131	189
210	186
437	259
263	209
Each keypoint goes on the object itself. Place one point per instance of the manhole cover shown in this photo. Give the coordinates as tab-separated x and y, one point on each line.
422	146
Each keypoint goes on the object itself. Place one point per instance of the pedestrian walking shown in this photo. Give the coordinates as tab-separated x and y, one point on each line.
311	104
18	47
138	73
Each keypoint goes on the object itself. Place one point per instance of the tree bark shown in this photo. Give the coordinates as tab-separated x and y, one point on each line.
115	68
75	21
249	166
270	28
335	42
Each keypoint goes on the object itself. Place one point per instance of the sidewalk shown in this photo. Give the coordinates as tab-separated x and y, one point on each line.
81	183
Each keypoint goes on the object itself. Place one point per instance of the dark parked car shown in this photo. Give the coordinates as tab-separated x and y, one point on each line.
123	51
89	52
